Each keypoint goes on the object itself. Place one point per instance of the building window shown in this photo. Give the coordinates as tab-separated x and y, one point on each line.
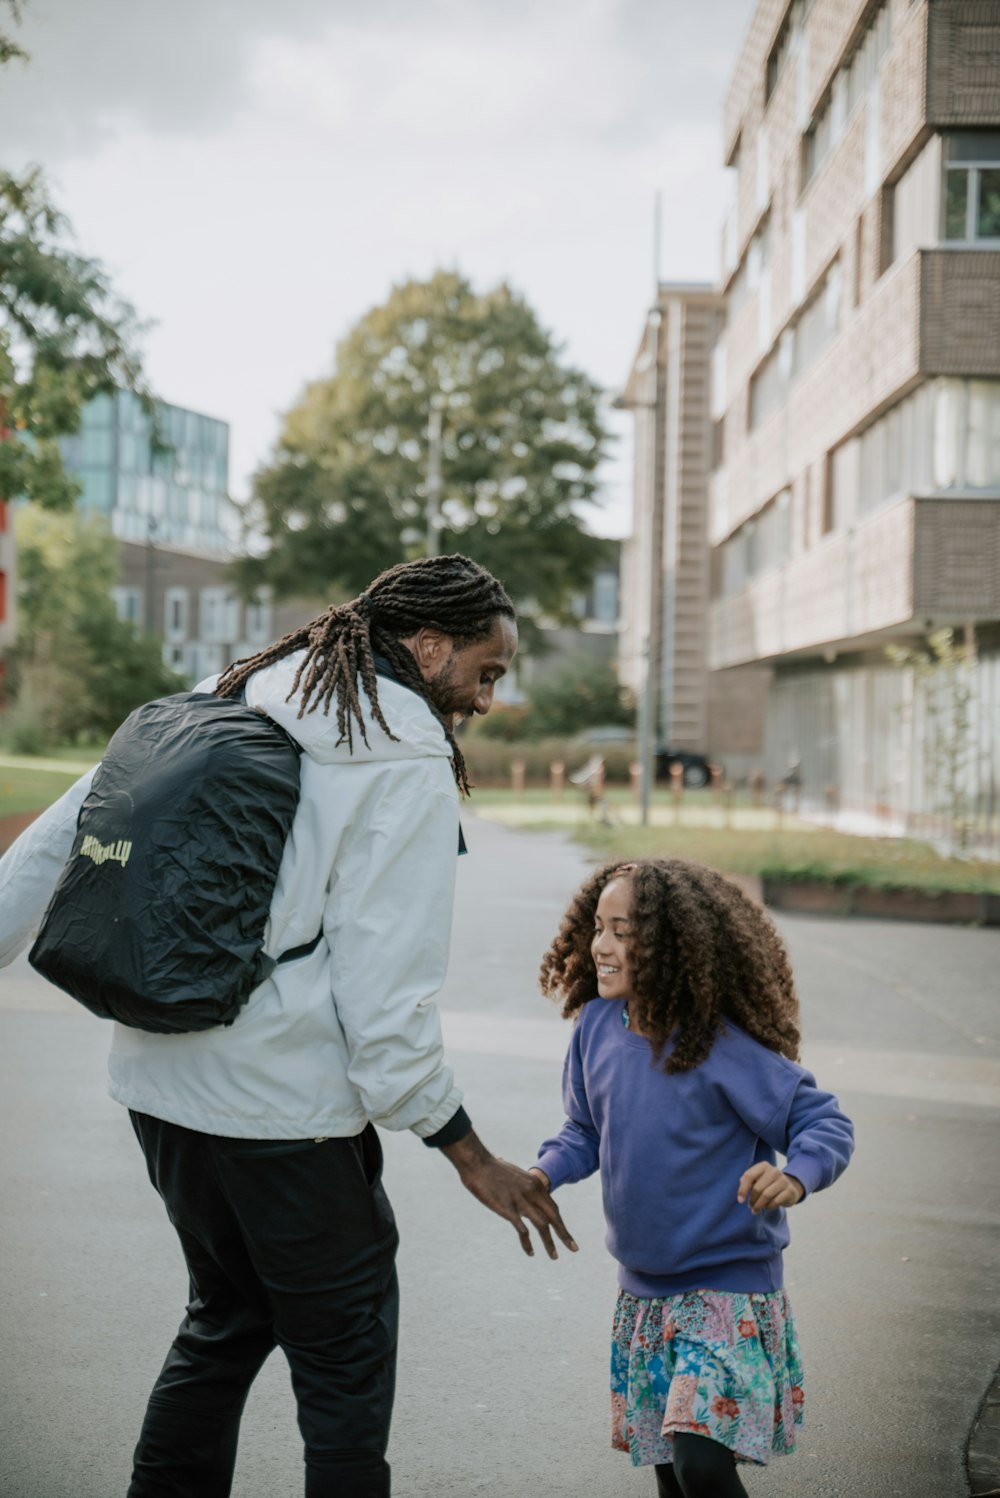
966	434
175	613
219	617
759	544
786	44
259	620
753	269
851	85
971	211
799	346
128	604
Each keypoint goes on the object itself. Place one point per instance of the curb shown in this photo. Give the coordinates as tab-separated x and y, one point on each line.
817	897
982	1454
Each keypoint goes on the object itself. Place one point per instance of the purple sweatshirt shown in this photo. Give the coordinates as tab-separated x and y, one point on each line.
671	1150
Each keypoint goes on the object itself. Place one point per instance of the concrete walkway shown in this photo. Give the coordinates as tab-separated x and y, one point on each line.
895	1273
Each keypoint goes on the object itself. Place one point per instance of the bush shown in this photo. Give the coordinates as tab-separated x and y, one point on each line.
22	730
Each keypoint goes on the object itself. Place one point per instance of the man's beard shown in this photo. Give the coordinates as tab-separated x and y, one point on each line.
444	695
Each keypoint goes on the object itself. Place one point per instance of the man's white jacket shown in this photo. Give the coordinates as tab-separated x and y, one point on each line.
348	1033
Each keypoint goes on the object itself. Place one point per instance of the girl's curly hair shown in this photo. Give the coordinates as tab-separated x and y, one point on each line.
700	952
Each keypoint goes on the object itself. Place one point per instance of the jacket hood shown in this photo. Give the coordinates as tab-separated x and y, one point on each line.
417	730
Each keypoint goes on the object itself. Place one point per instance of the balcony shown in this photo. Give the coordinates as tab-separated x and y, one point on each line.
917	559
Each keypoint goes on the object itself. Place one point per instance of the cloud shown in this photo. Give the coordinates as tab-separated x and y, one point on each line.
255	175
612	69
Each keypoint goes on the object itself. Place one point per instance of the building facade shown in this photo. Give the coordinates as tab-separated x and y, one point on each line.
855	501
665	562
162	482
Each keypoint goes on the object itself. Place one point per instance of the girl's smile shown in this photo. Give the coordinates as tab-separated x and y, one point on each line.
609	947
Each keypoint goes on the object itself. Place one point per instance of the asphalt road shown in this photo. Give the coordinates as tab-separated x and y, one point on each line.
895	1273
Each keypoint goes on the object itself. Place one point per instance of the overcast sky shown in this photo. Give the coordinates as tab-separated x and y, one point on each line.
256	174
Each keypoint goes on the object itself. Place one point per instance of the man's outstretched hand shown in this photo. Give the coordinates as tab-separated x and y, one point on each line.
509	1191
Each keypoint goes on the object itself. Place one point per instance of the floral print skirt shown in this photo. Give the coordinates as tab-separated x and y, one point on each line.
710	1363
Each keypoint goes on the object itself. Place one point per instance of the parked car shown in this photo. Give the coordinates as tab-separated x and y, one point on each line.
697	771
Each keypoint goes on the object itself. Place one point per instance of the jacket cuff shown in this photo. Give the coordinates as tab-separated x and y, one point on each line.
455	1129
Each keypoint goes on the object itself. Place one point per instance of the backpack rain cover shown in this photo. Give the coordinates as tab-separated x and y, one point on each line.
159	915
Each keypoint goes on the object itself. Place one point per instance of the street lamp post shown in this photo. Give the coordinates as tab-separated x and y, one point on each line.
434	426
652	637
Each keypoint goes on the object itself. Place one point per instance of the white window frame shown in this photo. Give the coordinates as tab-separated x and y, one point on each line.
972	169
176	600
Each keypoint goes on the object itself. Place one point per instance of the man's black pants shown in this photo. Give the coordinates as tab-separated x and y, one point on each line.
288	1243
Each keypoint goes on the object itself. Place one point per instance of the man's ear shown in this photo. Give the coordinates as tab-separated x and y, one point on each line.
431	648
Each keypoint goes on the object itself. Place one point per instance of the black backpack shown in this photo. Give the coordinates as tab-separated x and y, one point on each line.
158	917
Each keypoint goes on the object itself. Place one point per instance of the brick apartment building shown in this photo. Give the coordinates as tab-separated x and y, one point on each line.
665	561
855	500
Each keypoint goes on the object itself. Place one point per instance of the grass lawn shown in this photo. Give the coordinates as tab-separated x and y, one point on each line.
33	784
748	840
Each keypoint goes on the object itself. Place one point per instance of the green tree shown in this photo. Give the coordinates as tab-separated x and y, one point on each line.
64	334
584	695
64	338
347	491
78	669
8	47
944	677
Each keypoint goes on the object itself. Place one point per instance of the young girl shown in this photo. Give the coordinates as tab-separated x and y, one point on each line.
681	1085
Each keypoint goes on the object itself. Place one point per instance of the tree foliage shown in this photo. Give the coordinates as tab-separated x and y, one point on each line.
347	491
77	668
584	694
944	677
64	338
9	49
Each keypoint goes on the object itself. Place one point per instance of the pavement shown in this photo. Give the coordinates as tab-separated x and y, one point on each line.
894	1273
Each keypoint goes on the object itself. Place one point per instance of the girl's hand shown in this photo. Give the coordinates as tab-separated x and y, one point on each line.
767	1187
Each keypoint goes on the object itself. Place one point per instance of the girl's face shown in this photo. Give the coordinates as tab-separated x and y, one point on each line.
609	947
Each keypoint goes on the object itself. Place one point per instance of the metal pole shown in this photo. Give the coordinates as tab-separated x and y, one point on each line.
434	422
671	519
647	724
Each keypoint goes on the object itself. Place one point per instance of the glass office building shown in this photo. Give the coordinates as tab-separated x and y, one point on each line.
171	489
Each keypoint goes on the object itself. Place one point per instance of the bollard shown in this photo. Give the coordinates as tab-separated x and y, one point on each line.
635	779
728	795
716	773
557	777
677	788
757	784
517	776
779	802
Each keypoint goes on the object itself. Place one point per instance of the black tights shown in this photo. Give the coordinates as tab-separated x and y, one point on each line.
700	1469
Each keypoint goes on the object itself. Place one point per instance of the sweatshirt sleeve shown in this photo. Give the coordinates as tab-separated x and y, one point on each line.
388	924
574	1153
30	869
814	1134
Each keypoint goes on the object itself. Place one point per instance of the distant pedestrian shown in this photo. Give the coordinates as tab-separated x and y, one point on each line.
681	1087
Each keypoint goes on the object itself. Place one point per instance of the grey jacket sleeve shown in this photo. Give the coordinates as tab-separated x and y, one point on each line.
30	869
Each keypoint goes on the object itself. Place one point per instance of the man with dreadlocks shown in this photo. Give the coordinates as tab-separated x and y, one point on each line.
259	1136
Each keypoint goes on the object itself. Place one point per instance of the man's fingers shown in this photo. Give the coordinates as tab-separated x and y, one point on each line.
546	1237
525	1237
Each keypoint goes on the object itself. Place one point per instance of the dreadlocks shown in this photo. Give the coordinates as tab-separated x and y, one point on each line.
450	593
